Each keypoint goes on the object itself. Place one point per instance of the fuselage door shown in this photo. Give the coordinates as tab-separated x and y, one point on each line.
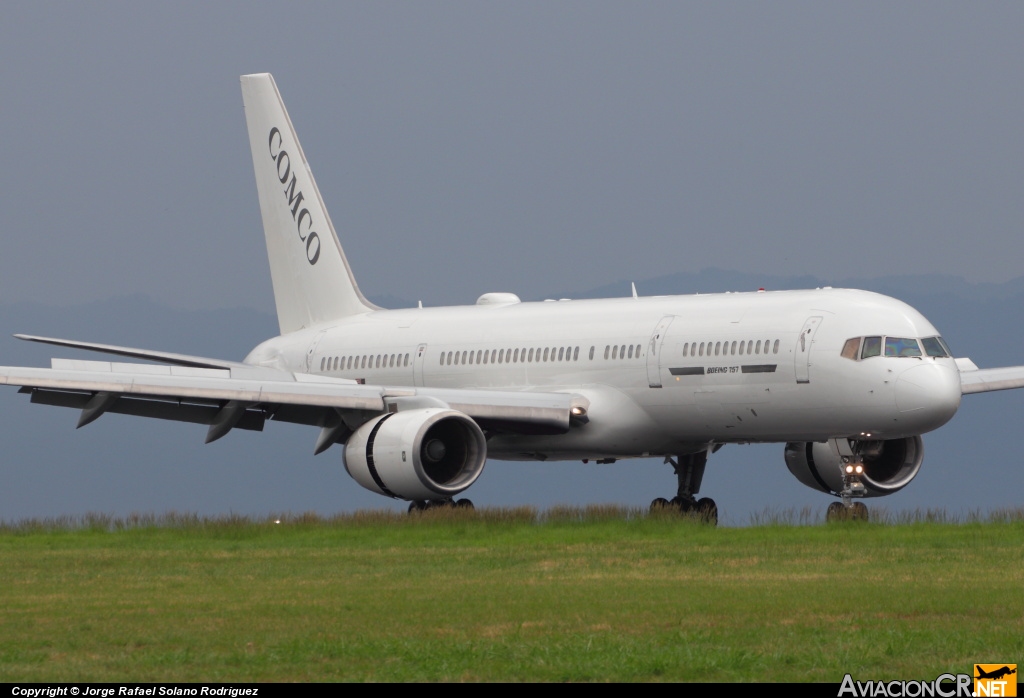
417	365
654	351
311	352
802	355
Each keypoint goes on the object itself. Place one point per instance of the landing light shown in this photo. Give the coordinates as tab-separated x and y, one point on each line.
578	411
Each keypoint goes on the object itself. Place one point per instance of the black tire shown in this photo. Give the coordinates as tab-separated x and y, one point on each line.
415	506
835	512
660	504
464	504
859	511
707	511
683	504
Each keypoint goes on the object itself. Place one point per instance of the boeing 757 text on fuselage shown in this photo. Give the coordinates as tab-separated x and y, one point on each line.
847	380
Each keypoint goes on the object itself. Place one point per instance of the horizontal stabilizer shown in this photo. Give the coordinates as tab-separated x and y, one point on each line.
163	357
986	380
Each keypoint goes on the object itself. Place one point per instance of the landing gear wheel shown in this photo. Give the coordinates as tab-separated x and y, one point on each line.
659	505
707	511
415	506
464	504
836	512
858	512
684	505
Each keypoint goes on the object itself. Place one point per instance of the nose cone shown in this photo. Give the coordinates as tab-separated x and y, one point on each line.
928	395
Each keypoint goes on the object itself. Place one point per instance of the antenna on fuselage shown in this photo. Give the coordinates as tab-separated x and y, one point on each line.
634	289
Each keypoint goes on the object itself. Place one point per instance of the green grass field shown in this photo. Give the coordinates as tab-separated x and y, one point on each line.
571	595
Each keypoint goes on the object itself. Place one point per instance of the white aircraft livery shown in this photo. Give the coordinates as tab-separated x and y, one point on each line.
848	380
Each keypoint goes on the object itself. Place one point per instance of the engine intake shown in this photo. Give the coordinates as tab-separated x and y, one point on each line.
889	466
419	454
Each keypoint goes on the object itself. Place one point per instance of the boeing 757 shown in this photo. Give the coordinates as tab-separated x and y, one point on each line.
848	380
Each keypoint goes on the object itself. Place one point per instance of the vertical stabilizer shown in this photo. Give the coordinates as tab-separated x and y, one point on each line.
312	280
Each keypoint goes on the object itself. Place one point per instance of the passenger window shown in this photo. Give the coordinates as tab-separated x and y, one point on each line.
718	345
733	349
850	349
615	352
775	348
607	349
757	347
872	347
591	352
631	351
702	349
561	352
576	354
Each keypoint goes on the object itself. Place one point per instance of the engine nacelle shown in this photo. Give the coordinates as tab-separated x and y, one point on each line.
888	465
418	454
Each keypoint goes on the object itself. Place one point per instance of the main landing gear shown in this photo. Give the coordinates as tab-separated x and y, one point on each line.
851	464
689	471
449	503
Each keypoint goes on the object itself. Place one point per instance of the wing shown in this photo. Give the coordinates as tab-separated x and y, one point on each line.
244	397
148	354
984	380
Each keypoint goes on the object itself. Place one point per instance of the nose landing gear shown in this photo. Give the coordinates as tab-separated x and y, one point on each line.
450	503
851	464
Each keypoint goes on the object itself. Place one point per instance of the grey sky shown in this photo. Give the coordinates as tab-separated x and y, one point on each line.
539	148
530	147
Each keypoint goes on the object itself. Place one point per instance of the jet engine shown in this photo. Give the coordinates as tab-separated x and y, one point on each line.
418	454
888	465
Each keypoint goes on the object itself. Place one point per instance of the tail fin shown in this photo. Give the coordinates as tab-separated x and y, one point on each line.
312	280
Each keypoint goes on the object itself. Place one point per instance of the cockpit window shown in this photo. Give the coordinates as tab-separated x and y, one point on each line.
872	347
934	346
901	346
850	348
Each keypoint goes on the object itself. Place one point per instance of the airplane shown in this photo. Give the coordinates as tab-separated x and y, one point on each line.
420	397
995	673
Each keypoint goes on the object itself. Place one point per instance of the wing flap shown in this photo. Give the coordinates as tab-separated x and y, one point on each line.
153	408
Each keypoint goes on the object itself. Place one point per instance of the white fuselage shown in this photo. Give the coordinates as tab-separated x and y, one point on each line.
663	375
